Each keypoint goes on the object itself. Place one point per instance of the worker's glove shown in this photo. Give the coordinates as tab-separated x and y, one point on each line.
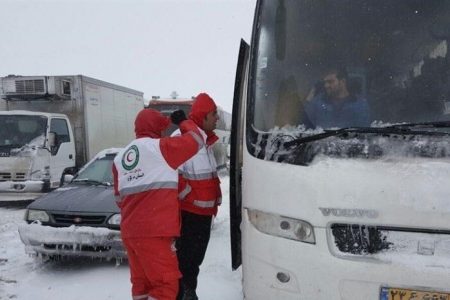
177	117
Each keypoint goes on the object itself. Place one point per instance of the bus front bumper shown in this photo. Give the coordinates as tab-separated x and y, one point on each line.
279	268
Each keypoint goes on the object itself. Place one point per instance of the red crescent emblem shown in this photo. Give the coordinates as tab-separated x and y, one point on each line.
128	157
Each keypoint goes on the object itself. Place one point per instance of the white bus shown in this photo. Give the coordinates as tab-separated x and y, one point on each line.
220	148
339	181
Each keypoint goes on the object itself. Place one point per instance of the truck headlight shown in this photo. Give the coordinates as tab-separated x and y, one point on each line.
37	215
114	219
282	226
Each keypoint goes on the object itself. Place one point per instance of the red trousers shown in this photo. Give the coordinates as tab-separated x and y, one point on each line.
153	267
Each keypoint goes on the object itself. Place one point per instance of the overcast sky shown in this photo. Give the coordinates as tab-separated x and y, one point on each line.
152	46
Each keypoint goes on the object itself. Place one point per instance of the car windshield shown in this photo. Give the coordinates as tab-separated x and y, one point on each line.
19	130
328	65
97	171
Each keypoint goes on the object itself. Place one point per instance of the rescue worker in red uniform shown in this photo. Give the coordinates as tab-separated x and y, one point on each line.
200	195
146	182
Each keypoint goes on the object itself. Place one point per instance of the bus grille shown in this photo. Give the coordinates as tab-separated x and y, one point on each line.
389	244
359	239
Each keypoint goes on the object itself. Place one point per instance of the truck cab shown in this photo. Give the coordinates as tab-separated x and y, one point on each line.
36	149
54	125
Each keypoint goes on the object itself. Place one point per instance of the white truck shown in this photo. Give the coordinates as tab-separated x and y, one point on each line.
52	125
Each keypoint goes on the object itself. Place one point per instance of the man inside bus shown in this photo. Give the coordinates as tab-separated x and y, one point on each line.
336	104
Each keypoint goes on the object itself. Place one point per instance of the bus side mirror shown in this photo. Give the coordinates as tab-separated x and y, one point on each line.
51	137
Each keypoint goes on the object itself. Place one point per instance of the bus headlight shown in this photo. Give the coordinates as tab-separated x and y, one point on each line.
115	219
37	215
282	226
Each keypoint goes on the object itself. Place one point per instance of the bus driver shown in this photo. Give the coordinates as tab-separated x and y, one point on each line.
336	105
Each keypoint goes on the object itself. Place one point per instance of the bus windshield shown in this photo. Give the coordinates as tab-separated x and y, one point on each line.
327	65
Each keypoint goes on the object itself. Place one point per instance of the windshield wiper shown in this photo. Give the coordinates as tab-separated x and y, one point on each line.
93	181
439	124
393	129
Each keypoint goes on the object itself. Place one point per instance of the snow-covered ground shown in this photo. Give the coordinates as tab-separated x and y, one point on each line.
27	278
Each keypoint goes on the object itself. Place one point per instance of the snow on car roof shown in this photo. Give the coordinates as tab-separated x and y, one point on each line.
100	155
107	151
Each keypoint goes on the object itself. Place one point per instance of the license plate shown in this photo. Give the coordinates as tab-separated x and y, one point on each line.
407	294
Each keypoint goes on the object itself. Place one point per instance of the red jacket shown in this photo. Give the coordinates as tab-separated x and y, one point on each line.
199	187
199	184
145	177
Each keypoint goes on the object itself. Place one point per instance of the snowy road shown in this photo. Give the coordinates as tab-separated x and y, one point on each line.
26	278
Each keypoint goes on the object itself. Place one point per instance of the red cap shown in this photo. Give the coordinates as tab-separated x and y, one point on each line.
202	105
150	123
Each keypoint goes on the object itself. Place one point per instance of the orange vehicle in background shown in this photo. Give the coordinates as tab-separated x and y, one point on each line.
167	106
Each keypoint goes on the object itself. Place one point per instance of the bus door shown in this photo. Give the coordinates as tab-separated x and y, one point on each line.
237	131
